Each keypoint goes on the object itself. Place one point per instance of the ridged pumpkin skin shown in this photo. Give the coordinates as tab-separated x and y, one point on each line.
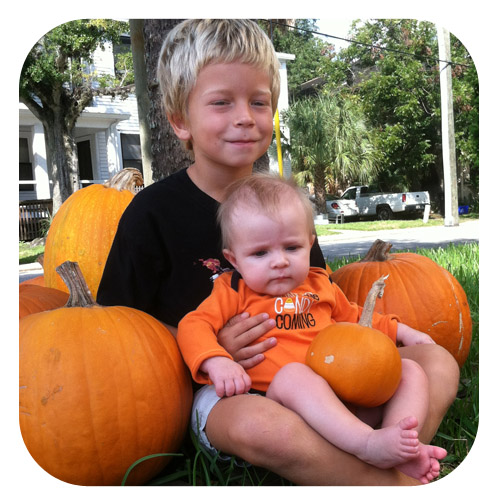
36	298
100	387
82	231
361	364
423	294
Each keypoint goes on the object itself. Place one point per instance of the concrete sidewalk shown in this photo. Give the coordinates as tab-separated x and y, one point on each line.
28	271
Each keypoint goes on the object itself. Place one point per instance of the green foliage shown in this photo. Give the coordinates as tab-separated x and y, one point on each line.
62	55
313	56
330	144
400	93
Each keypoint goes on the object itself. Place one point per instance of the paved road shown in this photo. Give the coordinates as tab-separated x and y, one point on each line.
352	243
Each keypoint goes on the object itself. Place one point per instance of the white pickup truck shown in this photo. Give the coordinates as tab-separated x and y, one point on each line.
358	201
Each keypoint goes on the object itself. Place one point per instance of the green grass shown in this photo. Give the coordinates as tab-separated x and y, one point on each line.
457	432
29	254
379	225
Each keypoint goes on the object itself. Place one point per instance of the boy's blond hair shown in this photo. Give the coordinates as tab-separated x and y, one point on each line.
267	193
194	43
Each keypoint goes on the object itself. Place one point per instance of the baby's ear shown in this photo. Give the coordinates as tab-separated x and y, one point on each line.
230	257
180	127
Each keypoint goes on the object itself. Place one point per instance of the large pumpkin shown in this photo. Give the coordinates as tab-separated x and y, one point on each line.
36	298
84	227
423	294
100	387
361	364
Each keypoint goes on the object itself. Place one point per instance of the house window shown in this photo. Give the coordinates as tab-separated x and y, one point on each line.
131	151
85	169
25	165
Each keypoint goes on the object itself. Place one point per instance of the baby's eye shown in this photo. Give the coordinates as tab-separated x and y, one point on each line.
260	253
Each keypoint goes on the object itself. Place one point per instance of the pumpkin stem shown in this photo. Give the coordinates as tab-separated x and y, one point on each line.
379	252
377	290
79	293
128	178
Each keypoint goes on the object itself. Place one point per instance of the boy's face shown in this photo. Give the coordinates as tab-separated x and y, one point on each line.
271	253
230	118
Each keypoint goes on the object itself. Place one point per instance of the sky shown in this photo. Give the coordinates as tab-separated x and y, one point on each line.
336	27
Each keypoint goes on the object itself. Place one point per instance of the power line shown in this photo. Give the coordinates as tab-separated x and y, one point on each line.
368	45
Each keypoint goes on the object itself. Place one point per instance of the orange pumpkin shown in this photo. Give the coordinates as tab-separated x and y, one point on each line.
423	294
84	227
36	298
360	363
100	387
38	280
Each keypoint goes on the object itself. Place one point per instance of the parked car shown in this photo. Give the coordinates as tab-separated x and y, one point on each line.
358	201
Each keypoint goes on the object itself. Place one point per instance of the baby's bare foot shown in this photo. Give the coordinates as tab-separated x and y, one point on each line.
425	467
393	445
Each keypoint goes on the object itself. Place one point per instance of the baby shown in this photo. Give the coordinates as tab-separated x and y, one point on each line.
268	230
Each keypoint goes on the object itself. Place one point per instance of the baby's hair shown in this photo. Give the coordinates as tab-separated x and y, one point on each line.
194	43
261	192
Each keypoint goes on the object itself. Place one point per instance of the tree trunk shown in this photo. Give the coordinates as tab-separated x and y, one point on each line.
141	92
62	164
167	153
319	182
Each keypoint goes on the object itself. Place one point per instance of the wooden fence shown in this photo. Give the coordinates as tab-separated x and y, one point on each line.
32	213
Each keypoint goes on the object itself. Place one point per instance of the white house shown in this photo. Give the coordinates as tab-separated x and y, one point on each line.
107	136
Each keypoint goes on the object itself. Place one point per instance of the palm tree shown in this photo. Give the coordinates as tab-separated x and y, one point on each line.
329	144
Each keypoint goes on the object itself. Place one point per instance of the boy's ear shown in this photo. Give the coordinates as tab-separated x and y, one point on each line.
180	127
230	257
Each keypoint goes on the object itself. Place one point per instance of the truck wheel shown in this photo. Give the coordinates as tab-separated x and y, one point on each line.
384	213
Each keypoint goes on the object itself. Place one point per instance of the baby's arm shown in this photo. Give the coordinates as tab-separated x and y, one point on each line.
228	377
409	336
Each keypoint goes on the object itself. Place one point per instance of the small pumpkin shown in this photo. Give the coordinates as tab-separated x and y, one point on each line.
360	363
100	387
36	298
423	294
84	227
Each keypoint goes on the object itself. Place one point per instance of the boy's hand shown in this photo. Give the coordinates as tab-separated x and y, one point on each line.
409	336
228	377
240	332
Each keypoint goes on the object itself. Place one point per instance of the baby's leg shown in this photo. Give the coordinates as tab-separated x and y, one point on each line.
298	388
412	398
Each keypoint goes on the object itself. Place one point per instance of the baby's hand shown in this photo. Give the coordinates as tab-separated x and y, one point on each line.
228	377
409	336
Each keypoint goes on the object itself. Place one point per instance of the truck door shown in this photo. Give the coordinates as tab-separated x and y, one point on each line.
349	205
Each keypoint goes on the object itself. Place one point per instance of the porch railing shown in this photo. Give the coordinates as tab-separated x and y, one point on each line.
32	213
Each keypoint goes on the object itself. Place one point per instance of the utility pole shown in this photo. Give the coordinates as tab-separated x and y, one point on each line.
447	130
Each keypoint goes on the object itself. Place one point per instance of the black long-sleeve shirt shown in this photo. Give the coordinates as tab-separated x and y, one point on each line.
166	249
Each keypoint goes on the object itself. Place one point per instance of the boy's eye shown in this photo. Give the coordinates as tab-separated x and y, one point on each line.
261	103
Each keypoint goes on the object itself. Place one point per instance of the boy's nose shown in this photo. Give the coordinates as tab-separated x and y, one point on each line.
244	116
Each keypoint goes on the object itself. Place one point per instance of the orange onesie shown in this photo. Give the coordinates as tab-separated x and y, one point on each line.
299	316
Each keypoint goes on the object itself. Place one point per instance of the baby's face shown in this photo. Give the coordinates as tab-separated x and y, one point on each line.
271	253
